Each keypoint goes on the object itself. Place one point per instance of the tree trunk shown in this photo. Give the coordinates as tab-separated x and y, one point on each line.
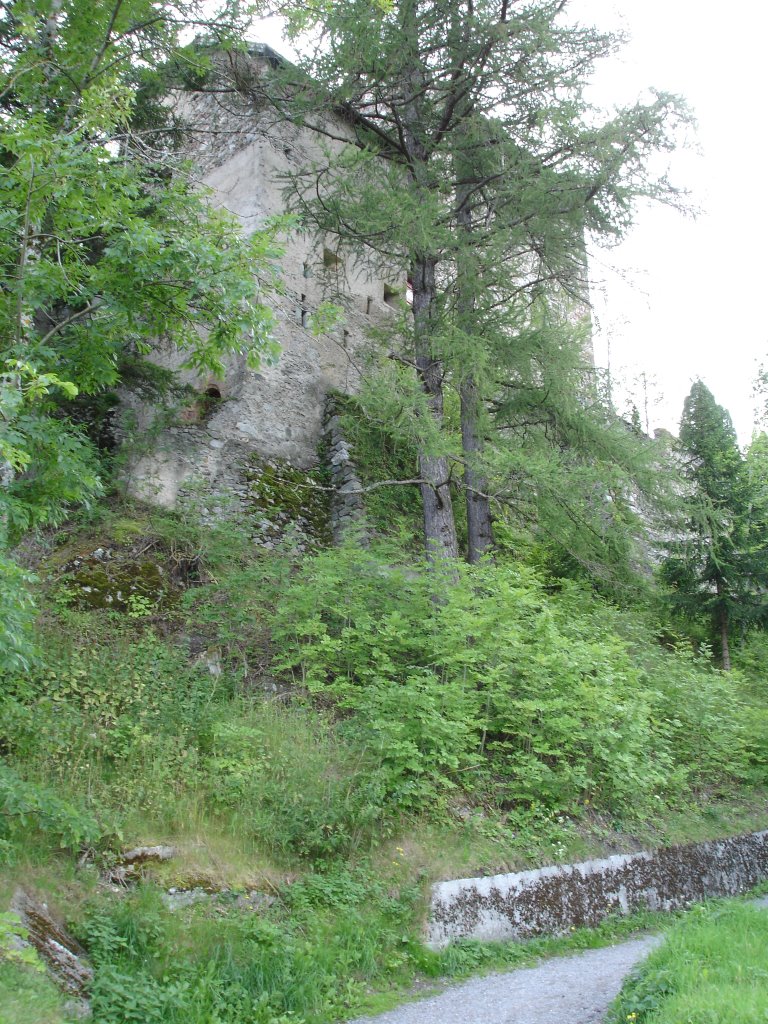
439	525
722	616
479	524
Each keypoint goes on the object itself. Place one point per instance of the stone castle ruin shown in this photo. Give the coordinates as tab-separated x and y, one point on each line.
244	152
243	155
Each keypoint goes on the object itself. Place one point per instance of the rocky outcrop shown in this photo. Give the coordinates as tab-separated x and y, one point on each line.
62	955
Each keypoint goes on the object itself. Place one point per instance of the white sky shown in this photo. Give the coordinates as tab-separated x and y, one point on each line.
683	298
695	298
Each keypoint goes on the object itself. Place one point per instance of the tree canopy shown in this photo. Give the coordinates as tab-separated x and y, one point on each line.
475	162
106	240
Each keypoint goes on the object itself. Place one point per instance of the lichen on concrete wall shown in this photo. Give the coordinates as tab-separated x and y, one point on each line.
552	900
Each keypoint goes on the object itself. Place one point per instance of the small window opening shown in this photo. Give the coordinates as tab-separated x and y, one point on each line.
209	401
330	259
391	296
304	313
368	305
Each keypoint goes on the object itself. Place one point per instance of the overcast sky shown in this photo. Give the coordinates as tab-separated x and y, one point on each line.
683	298
693	303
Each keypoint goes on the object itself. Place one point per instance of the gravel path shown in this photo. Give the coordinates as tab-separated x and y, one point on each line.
564	990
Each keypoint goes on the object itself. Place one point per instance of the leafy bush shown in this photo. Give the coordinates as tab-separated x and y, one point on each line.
27	808
536	697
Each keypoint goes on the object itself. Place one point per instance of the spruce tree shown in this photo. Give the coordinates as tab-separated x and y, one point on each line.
718	566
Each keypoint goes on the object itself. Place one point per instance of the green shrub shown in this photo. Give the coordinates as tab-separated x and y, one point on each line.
28	810
538	698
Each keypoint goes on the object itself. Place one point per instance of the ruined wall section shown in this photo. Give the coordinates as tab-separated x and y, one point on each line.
243	154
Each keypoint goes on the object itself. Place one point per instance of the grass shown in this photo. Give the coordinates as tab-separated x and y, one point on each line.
712	969
125	738
28	997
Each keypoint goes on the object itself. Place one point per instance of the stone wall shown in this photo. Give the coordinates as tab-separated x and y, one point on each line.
243	155
552	900
347	504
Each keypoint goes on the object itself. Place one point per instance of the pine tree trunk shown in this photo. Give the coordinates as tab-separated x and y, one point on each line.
725	650
440	538
479	523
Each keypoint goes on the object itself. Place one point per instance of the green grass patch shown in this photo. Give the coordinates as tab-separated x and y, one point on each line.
711	969
29	997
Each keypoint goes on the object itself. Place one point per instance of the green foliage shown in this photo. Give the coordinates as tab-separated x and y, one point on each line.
28	809
107	243
384	448
528	697
717	567
17	616
711	968
319	805
308	959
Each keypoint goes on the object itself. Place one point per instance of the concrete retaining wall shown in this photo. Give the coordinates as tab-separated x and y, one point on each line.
554	899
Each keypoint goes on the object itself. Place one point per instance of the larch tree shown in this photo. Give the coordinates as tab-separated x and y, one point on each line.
473	161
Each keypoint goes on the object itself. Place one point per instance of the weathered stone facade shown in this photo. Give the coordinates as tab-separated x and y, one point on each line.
278	410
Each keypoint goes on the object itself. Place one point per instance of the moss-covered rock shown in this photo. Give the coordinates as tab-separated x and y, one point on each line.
286	502
115	579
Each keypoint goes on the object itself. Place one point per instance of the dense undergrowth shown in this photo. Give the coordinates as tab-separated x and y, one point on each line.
322	730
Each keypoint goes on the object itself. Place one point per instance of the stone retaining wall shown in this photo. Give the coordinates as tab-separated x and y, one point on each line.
555	899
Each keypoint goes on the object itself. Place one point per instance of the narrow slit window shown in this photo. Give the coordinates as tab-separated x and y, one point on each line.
368	305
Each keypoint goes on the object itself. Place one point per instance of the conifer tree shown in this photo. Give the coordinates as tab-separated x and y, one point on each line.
472	160
719	566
